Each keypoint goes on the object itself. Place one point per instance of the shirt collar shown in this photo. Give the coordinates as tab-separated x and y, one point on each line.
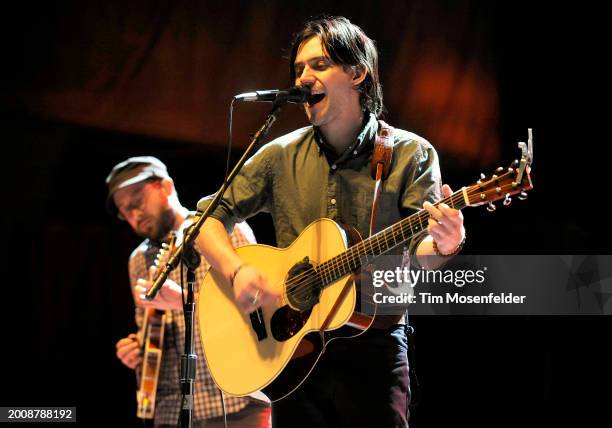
364	140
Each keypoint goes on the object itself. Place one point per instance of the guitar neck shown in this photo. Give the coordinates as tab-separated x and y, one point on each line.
382	242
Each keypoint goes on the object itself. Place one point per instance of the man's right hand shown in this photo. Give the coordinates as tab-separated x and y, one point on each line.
128	351
252	290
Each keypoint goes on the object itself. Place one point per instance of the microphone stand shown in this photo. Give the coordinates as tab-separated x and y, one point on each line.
187	253
188	360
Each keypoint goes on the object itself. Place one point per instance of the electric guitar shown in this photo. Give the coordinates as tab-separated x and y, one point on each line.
274	348
151	337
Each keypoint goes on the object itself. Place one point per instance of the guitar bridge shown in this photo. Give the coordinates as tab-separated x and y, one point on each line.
258	324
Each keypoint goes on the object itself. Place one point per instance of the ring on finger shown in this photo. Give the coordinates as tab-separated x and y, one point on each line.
255	297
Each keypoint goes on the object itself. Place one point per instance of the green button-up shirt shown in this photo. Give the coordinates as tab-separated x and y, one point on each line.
298	179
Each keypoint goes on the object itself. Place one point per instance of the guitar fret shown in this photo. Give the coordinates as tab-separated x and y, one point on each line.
354	262
323	273
335	269
340	265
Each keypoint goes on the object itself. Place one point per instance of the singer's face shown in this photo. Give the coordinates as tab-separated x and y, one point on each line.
145	207
334	95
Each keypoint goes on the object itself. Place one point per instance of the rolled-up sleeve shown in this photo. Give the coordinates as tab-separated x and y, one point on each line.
248	194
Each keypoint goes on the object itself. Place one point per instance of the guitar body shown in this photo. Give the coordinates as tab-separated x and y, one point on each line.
273	349
151	338
154	323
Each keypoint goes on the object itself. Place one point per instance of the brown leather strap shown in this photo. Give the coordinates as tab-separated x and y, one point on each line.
380	168
383	150
380	165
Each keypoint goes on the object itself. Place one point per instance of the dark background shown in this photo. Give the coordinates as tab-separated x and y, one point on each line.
86	85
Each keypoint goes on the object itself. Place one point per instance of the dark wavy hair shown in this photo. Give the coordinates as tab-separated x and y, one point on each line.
347	45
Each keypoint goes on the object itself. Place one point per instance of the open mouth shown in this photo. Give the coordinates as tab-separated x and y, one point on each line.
315	99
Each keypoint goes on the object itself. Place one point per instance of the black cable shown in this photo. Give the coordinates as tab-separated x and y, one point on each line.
229	143
411	366
224	411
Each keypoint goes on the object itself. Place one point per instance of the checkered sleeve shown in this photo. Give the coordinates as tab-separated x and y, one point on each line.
242	235
137	268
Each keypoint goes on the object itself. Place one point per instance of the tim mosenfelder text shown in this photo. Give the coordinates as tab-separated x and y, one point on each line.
413	277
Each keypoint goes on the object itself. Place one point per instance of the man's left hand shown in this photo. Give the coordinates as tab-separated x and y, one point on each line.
445	224
168	297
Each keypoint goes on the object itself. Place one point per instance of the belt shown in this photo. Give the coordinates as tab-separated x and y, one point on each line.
384	322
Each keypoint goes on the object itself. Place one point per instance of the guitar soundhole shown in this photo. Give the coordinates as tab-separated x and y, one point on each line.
287	322
303	286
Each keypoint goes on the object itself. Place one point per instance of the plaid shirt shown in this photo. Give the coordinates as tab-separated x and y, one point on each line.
207	398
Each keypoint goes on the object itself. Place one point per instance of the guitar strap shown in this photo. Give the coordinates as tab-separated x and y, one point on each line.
379	168
380	165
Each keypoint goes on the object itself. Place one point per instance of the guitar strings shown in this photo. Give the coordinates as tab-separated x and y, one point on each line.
378	243
312	276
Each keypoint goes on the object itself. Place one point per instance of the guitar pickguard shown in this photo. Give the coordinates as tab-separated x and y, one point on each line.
287	322
303	289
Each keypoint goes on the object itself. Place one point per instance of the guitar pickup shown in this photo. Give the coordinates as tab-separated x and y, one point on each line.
258	324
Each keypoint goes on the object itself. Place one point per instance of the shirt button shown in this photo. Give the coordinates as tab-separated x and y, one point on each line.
334	166
355	152
333	201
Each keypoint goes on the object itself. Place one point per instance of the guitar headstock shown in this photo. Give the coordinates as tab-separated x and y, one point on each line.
505	182
164	254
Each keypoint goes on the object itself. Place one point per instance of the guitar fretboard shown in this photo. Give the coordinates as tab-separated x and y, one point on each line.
381	242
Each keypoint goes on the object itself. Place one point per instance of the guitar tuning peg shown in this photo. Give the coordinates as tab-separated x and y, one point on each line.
499	170
482	177
507	200
491	207
165	246
522	196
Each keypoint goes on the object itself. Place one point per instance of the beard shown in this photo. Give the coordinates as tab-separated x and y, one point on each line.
163	224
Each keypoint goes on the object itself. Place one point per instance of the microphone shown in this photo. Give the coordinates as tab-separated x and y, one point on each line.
295	94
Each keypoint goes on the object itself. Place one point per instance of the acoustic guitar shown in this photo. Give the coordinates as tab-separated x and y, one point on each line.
274	348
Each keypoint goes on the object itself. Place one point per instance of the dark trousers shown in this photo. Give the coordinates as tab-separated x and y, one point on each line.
360	382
